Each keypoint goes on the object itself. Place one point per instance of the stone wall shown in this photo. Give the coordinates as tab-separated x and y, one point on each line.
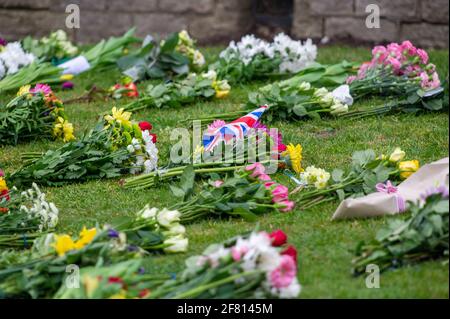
425	22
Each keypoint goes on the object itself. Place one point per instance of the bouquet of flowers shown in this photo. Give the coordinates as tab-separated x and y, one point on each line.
257	143
105	53
12	58
290	100
24	216
421	236
35	112
174	56
42	270
181	92
247	193
54	48
367	170
114	147
394	70
253	58
258	265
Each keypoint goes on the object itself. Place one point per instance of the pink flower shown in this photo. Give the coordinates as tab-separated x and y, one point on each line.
280	191
217	183
423	56
395	50
285	274
2	174
264	178
351	79
288	205
292	252
378	50
44	88
215	125
409	48
67	85
257	168
279	238
238	252
269	185
435	83
396	64
424	79
281	148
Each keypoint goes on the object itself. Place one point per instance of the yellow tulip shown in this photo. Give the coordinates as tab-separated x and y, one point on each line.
66	77
407	168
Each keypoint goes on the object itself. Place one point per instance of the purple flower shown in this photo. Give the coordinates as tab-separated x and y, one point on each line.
112	233
442	190
43	88
3	42
67	85
141	271
132	248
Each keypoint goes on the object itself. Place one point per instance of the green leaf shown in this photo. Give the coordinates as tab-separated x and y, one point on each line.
177	191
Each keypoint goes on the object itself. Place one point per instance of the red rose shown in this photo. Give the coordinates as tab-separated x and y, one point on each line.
133	91
279	238
115	280
145	126
144	293
4	194
154	138
290	251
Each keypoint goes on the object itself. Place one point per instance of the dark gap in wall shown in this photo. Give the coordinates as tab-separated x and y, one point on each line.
272	17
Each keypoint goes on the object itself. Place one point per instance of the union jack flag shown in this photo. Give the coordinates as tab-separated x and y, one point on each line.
237	129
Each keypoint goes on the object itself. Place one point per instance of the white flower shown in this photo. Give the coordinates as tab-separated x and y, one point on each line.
305	86
210	75
14	57
342	94
130	149
198	59
168	217
2	70
177	244
289	292
320	92
315	176
175	229
339	108
397	155
148	213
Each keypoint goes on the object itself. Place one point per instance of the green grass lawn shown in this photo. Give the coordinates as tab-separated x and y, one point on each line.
324	246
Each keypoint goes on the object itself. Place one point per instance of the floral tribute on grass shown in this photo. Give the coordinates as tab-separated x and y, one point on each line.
181	92
24	216
247	139
103	54
248	193
258	265
56	47
404	73
173	56
41	271
35	112
12	58
367	170
423	235
253	58
116	146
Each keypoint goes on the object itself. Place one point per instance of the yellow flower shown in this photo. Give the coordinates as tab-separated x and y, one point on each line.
66	77
295	156
24	90
222	94
407	168
63	244
120	295
86	236
63	129
397	155
90	284
3	186
119	116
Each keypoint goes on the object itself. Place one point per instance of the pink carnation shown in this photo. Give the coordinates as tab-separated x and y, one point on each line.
43	88
288	205
280	191
351	79
264	178
408	47
423	56
285	274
